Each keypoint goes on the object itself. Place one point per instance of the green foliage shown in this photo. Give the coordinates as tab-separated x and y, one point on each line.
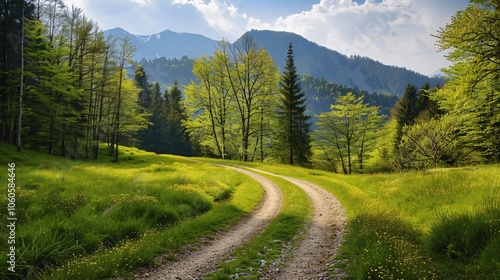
348	131
211	106
472	95
433	143
231	101
72	87
321	94
166	132
463	236
468	242
166	70
458	124
415	106
145	99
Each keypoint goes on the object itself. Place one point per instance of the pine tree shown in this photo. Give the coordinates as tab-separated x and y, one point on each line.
12	17
177	136
142	81
405	111
293	142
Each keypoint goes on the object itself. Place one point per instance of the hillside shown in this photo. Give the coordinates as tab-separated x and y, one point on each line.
155	51
317	61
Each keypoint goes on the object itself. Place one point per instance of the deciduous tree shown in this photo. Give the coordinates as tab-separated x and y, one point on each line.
348	130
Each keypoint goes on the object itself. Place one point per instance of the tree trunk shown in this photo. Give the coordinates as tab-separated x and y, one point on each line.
21	86
51	135
261	134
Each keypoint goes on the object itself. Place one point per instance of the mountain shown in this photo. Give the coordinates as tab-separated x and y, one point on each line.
164	56
355	72
167	44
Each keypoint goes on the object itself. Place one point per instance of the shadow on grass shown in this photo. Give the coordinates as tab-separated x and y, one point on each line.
468	243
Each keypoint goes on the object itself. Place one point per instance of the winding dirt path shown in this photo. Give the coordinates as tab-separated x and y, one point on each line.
322	238
197	263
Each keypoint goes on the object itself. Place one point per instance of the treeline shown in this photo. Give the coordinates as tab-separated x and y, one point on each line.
322	94
391	78
63	85
166	70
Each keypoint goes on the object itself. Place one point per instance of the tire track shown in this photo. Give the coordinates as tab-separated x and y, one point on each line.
202	261
322	238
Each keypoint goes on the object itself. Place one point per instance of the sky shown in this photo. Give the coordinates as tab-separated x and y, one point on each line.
394	32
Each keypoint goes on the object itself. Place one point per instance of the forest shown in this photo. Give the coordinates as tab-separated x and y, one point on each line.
65	89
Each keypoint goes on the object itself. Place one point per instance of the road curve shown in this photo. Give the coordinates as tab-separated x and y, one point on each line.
200	262
322	238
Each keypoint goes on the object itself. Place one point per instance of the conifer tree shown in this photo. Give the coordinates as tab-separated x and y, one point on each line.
177	136
142	82
405	111
293	142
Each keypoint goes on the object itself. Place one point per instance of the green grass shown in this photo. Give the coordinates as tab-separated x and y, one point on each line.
97	219
436	224
253	259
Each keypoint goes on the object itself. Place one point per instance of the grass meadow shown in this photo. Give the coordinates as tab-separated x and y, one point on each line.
97	219
435	224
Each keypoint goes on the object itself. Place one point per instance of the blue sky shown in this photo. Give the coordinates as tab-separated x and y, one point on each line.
394	32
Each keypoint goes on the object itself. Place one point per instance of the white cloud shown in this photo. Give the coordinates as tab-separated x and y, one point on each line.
391	31
141	2
77	3
218	14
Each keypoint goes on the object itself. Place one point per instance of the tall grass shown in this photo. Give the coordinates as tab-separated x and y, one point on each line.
85	219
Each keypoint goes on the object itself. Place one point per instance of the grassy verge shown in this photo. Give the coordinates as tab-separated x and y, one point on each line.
97	219
254	258
437	224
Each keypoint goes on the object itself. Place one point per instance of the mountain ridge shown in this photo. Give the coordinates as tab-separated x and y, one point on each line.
310	58
354	71
161	44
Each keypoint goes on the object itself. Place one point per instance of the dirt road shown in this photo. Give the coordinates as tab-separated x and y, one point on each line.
197	263
310	257
322	238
